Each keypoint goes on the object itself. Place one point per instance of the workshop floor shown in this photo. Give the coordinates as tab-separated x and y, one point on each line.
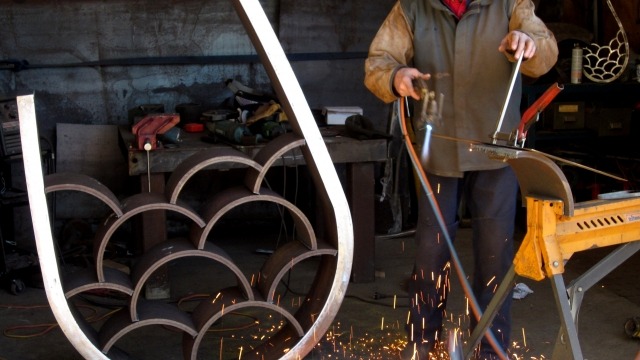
368	326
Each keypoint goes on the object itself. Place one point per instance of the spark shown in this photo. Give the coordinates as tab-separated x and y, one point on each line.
490	281
382	324
216	298
411	332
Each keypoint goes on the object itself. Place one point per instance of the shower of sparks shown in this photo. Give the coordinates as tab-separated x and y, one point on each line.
351	341
389	340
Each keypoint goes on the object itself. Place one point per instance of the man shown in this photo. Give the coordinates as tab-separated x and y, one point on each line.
465	50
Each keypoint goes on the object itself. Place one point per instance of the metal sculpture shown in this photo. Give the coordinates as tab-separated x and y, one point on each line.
604	64
302	328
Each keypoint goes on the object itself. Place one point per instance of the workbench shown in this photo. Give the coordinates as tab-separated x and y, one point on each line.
359	157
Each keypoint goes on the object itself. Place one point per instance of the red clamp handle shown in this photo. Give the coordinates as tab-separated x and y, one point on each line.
530	115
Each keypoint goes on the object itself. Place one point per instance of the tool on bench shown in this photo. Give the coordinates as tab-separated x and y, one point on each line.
146	132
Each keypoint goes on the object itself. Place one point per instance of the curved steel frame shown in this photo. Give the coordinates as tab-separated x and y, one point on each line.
339	222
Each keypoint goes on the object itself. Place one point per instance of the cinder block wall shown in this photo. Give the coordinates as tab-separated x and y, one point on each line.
89	62
171	52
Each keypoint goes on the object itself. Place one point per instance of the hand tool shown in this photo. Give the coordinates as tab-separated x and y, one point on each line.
532	114
146	131
430	115
497	135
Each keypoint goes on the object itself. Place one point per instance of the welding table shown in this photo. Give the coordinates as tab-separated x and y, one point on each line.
359	156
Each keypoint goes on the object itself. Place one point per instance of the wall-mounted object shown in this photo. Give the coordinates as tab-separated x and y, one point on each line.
604	64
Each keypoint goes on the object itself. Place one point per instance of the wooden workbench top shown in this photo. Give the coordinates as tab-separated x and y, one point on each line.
342	149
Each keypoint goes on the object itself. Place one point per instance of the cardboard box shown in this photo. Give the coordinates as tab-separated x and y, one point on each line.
336	115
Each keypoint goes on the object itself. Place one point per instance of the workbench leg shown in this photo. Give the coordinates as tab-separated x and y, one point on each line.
153	231
360	193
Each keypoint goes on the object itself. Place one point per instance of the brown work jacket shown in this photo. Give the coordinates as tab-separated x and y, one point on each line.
467	69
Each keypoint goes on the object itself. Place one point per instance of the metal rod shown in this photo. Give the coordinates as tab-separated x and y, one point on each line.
514	76
552	157
149	170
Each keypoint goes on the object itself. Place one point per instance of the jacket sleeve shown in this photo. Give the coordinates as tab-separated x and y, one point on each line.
524	19
390	50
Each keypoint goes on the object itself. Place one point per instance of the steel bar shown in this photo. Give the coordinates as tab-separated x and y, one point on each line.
42	230
320	164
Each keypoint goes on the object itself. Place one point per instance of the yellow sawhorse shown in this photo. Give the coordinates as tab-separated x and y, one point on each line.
557	228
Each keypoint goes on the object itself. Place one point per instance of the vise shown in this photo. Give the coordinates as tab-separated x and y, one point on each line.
149	127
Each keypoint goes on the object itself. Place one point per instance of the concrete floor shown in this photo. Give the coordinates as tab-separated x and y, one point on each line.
368	325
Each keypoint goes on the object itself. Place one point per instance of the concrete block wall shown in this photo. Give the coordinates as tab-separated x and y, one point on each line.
171	52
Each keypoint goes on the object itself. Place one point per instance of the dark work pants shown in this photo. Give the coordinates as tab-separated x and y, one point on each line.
490	197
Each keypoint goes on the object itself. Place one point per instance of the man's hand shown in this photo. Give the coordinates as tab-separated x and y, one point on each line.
403	81
517	44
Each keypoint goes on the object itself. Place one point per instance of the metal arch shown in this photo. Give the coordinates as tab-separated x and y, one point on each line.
537	174
42	230
340	226
297	109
